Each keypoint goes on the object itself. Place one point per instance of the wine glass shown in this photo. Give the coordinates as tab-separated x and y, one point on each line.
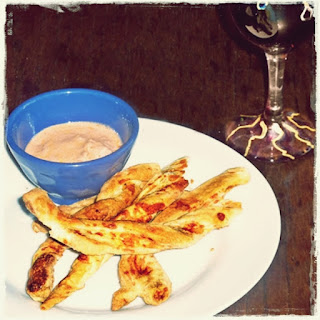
277	133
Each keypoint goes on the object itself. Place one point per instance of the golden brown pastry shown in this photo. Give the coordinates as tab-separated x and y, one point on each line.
116	194
153	286
75	207
162	190
93	237
40	280
209	192
127	237
145	208
195	214
141	276
71	209
81	270
119	192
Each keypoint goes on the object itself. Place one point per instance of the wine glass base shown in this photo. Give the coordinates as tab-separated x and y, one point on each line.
287	139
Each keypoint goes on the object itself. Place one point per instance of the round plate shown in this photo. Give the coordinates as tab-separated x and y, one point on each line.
206	277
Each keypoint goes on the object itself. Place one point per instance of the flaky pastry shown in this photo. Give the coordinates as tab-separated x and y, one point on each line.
151	199
142	275
116	194
161	217
119	237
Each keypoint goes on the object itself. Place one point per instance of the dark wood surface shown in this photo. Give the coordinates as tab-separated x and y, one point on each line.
178	63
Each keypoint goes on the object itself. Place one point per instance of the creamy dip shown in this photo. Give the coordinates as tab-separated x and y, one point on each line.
74	142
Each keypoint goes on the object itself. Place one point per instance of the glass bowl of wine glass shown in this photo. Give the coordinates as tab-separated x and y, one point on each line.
278	133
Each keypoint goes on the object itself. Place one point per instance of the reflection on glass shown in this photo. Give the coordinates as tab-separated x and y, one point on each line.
277	133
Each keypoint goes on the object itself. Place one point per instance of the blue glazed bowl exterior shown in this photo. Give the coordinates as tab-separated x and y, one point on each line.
70	182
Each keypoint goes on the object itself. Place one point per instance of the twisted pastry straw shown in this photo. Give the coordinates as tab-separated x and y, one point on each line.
115	195
187	224
163	188
142	275
93	237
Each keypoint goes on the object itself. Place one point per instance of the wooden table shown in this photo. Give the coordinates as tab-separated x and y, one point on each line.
178	63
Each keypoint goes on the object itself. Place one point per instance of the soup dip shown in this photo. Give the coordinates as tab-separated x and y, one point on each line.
74	142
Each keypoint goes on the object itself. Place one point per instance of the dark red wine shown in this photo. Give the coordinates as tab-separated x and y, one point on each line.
274	28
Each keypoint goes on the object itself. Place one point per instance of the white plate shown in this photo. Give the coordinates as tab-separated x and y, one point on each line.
207	277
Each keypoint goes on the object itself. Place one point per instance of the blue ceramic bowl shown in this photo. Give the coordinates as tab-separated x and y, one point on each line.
70	182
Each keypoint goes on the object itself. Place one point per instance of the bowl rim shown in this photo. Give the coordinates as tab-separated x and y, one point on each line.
123	149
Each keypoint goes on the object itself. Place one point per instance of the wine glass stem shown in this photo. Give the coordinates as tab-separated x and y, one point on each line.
274	105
